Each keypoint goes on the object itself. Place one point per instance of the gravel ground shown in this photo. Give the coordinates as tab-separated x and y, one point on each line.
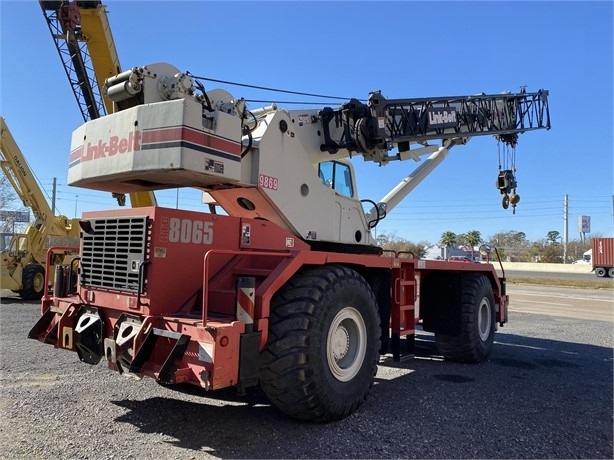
545	392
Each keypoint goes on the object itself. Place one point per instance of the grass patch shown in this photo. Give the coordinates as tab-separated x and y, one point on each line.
601	283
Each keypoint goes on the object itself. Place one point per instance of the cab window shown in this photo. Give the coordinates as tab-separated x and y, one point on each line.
337	176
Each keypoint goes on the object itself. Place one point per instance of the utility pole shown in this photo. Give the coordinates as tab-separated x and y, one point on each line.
53	196
566	226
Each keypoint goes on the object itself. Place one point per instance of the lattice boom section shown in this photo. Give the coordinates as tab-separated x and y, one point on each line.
113	252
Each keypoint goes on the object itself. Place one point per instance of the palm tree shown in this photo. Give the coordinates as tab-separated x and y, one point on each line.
448	239
473	238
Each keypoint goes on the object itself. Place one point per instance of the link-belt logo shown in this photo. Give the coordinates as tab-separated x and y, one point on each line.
115	145
442	118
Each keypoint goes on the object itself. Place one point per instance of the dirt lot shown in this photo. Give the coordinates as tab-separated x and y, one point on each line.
545	392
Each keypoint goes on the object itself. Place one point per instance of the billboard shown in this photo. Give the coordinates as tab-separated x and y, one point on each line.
15	216
584	224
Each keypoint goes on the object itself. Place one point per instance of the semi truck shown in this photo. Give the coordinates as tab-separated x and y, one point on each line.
280	284
602	257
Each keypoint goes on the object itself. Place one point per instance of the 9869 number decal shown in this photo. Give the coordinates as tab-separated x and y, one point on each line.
269	182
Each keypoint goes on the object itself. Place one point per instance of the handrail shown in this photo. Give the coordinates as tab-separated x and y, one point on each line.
50	252
237	252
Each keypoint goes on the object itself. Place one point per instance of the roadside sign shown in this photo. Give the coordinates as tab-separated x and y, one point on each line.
584	224
15	216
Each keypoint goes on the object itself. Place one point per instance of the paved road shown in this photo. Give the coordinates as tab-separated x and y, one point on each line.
545	392
557	275
593	304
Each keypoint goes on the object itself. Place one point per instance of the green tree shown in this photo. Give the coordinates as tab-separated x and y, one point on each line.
553	236
512	246
473	238
509	239
552	254
534	252
447	240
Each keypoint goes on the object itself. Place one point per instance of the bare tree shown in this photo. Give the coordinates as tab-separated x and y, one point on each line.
397	244
7	194
8	200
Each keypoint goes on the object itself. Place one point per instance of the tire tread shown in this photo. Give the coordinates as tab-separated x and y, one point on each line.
467	347
287	376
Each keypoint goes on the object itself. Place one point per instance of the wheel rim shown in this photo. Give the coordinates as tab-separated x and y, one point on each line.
484	319
346	344
38	283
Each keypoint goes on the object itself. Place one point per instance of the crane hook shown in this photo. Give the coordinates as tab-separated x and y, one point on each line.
506	201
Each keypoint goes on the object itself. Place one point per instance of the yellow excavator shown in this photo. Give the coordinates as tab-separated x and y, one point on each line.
22	267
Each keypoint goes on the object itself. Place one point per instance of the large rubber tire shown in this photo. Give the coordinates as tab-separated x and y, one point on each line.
600	272
611	272
33	280
323	347
477	328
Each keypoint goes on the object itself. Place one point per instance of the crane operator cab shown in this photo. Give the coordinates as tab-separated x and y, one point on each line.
338	175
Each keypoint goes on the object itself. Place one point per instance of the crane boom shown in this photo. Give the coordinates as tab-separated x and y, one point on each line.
269	164
370	129
96	30
83	39
63	21
19	174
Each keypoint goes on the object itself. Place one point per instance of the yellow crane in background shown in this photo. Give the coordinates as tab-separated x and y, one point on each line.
83	38
22	263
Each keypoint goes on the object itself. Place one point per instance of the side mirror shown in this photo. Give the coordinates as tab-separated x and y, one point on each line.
485	250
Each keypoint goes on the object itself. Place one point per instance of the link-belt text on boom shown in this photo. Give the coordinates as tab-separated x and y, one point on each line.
115	145
442	117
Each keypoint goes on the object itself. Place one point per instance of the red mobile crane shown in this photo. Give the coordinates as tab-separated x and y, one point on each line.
288	289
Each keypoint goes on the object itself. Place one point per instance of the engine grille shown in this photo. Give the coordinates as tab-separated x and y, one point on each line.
113	252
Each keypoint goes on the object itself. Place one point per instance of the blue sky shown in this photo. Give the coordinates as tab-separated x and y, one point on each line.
405	49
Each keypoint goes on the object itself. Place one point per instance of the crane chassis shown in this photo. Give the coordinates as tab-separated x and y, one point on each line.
286	289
